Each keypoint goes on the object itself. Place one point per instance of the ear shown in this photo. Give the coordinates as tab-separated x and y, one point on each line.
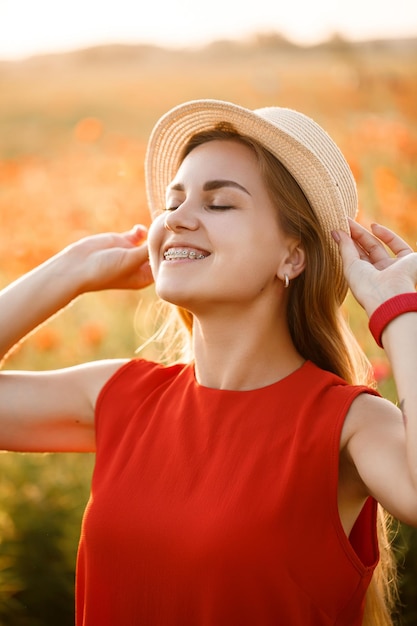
293	263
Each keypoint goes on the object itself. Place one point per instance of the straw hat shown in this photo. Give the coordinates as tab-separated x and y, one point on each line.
302	146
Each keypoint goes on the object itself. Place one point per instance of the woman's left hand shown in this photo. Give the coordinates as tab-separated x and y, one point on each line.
377	264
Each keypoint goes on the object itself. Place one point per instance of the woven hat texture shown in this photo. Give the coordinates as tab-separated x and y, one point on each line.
302	146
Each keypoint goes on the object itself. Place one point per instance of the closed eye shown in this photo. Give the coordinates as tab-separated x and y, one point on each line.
213	207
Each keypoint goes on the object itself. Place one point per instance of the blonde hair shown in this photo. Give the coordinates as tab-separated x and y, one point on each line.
317	325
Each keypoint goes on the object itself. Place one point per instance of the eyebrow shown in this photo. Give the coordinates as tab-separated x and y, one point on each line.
211	185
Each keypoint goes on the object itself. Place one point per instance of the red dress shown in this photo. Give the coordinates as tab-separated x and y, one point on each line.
219	508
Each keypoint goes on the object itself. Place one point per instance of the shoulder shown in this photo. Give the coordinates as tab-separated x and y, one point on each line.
369	412
372	429
332	390
95	375
141	371
375	448
135	376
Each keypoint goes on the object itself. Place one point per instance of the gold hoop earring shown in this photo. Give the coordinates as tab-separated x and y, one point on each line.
286	281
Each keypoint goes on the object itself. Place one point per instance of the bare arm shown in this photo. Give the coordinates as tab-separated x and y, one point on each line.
54	411
382	439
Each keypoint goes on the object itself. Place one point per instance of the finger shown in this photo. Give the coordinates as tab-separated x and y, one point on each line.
363	255
139	254
146	273
140	272
129	239
398	246
349	250
372	246
137	233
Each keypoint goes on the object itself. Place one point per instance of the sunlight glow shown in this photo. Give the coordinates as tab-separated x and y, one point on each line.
40	26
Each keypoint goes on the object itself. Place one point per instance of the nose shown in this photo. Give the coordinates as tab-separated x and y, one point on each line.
182	218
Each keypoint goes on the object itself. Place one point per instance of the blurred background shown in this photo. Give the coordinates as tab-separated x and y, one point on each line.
81	86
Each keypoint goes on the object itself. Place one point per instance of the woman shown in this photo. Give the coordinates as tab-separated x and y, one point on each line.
242	487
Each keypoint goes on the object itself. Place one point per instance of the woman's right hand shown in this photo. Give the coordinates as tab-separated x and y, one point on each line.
111	260
99	262
54	411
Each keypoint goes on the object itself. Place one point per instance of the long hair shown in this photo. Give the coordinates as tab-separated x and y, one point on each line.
317	325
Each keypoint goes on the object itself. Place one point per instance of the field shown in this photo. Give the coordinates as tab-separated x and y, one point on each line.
73	132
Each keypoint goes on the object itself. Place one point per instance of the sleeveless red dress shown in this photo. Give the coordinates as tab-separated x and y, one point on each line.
219	508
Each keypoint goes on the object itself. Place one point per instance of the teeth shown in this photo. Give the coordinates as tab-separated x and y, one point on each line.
182	253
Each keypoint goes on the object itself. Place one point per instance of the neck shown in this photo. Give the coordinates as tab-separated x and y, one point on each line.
241	352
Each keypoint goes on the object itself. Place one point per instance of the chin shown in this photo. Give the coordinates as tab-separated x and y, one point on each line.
173	296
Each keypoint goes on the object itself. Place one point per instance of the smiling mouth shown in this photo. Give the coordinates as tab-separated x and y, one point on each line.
184	253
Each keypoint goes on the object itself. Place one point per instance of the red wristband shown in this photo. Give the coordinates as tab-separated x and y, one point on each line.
389	310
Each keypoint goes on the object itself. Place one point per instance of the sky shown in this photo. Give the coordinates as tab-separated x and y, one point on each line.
29	27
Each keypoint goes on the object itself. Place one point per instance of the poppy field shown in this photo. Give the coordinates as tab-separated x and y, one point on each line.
73	132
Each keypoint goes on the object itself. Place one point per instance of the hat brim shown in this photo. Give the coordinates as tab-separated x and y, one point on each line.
302	146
